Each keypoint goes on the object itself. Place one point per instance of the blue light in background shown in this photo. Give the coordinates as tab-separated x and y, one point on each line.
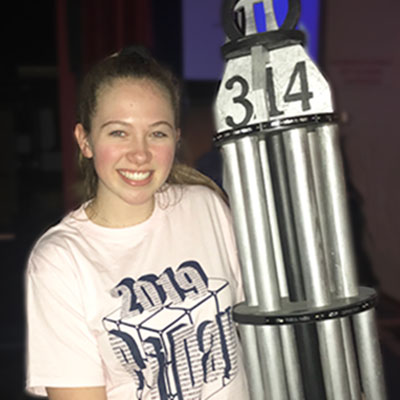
309	21
261	23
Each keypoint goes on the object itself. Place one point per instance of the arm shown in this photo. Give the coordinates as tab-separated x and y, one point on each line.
89	393
62	351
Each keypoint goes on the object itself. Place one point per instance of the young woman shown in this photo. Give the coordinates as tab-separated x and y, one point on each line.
130	295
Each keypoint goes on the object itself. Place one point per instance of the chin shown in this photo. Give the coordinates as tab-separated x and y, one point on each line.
139	200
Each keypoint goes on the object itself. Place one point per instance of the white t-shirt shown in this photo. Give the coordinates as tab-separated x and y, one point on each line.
144	311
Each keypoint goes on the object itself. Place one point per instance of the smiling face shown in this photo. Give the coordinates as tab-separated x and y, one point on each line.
132	143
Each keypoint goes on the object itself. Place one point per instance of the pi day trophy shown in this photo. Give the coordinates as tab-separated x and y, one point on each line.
308	329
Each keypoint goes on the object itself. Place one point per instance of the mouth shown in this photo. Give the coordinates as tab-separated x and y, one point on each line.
136	176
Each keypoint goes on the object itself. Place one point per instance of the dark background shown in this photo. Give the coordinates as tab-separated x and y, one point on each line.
41	64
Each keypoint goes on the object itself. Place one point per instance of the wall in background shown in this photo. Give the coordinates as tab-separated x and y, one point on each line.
362	60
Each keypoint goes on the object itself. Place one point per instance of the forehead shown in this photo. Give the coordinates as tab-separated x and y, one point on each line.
122	86
133	98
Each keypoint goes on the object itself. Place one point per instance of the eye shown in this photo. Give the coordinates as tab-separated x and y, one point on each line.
159	134
118	133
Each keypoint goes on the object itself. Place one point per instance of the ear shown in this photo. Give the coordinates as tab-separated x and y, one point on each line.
178	135
83	141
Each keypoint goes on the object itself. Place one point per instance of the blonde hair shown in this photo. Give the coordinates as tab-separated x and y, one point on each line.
182	174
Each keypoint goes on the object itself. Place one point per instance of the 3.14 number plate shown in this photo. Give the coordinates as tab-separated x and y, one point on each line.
293	87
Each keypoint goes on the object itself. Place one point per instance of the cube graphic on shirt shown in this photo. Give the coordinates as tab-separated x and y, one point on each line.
180	350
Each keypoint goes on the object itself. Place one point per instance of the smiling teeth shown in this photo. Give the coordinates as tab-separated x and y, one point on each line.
135	176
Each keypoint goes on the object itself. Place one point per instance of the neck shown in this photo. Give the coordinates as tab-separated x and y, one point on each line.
118	217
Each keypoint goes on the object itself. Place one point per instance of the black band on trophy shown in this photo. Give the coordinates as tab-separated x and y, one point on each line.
296	313
275	126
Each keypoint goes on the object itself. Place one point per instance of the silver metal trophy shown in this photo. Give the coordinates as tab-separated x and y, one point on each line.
307	328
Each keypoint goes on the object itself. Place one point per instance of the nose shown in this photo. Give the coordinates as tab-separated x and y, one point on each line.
139	151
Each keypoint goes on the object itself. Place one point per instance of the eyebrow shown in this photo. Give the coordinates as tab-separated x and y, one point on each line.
111	122
162	123
120	122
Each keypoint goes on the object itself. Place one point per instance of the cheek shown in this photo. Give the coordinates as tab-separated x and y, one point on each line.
105	156
165	155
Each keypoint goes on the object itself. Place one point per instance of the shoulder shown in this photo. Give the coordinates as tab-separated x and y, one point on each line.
176	193
194	196
53	247
201	193
197	201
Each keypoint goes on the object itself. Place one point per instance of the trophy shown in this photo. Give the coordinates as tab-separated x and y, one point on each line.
308	329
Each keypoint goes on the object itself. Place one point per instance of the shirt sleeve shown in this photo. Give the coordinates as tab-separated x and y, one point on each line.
226	223
61	349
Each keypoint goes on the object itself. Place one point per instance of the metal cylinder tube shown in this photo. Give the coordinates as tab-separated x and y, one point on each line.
332	197
351	359
254	372
292	363
272	362
320	196
369	355
234	188
272	218
285	218
258	226
306	216
333	360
